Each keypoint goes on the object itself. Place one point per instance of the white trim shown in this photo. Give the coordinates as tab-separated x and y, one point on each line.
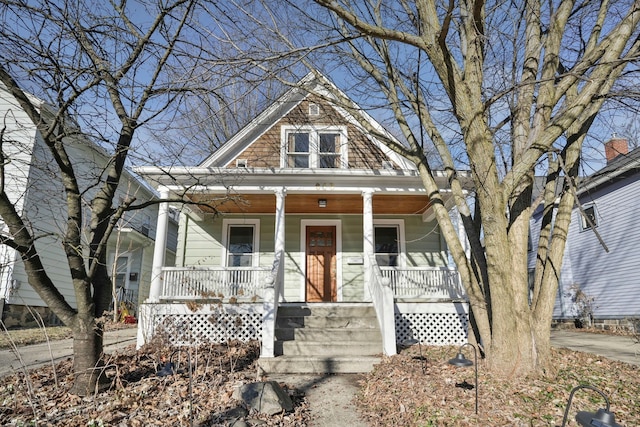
113	269
314	144
255	259
584	226
303	252
402	246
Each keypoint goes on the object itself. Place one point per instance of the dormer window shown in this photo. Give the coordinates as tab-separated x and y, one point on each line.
311	147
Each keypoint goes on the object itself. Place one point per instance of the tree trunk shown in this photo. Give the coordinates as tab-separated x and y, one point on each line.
88	364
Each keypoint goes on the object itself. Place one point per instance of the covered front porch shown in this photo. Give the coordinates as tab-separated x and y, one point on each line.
241	257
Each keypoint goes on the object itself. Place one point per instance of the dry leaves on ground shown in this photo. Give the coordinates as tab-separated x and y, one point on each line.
138	397
398	393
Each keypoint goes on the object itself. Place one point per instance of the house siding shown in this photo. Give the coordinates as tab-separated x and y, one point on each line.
200	244
611	278
45	210
265	151
424	245
32	182
563	307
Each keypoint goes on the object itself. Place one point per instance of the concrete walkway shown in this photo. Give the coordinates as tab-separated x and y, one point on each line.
331	397
36	355
615	347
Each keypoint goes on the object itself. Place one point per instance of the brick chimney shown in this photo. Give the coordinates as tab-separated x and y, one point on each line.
615	147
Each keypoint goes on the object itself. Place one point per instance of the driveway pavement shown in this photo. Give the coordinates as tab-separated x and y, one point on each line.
33	356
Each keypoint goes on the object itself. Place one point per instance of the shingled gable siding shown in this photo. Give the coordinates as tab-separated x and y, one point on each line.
265	152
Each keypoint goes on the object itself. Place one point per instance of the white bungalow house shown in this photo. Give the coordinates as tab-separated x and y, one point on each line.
305	232
32	182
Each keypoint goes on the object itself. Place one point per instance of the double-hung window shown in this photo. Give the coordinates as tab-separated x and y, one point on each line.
241	244
387	252
590	213
298	149
314	147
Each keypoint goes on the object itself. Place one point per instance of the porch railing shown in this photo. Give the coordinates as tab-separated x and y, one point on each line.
187	283
382	298
420	282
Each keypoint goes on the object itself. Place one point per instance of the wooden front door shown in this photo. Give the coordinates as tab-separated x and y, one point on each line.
321	264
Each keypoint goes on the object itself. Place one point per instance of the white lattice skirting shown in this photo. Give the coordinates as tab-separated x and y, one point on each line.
211	323
432	323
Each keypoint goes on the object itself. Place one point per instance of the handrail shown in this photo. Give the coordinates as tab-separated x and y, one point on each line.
272	293
382	298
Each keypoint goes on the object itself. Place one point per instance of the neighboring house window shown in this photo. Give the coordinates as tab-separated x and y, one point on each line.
387	245
146	224
309	147
241	243
589	212
314	110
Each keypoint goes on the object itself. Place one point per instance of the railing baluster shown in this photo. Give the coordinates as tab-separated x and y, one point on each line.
200	282
433	282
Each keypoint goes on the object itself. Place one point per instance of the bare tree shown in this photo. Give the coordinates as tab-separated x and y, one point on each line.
506	89
106	70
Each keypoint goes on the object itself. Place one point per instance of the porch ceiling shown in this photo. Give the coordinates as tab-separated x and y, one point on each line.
306	203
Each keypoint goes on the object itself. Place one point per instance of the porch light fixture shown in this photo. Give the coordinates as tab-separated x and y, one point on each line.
461	361
322	203
601	418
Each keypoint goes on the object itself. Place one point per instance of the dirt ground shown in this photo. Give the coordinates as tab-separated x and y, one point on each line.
407	390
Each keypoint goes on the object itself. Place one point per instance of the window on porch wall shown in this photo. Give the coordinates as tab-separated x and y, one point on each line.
240	250
386	245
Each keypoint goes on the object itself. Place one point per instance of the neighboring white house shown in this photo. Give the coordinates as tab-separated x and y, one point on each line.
307	226
32	182
600	277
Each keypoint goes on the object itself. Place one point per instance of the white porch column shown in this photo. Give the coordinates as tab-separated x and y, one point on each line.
160	246
367	238
272	289
280	214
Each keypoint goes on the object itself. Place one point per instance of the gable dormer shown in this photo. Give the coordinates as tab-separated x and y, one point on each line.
303	130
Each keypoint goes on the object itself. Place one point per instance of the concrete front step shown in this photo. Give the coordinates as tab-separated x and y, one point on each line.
326	310
314	321
329	334
331	348
318	364
325	338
